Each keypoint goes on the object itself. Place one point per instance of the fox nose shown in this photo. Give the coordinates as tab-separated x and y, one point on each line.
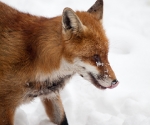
114	84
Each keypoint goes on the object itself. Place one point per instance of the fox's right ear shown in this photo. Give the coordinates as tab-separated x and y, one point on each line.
71	22
97	9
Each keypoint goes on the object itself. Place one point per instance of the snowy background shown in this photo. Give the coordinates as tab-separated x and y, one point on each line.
127	25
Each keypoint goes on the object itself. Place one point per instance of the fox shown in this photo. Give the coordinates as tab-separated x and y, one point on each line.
39	55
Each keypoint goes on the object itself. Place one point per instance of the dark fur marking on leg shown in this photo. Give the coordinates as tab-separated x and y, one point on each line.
64	122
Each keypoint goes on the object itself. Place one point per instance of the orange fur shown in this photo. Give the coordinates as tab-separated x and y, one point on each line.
36	54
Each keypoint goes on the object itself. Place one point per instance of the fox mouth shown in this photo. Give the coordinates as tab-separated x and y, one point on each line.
95	82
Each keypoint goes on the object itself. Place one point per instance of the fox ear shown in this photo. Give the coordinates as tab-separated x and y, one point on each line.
97	9
71	21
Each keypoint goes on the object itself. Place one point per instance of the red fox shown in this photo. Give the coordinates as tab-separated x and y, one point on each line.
39	55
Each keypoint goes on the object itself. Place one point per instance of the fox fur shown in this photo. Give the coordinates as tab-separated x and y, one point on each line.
38	56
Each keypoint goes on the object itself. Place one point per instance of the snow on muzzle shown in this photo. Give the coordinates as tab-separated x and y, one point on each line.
98	84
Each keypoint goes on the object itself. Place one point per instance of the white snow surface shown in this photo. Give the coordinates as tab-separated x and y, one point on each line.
127	25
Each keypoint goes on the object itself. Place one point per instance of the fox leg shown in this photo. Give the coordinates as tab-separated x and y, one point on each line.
7	115
55	110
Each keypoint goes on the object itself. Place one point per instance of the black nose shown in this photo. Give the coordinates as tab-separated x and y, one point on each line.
114	82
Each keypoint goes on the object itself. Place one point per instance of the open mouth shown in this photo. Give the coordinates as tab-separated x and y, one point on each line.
96	83
114	83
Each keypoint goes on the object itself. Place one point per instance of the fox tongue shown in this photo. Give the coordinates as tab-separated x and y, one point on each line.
114	85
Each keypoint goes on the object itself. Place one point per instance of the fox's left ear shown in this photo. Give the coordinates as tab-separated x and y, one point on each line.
97	9
71	22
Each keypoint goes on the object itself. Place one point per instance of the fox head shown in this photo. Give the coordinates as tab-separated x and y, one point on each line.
86	45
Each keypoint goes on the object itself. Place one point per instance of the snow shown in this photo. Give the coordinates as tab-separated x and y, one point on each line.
127	25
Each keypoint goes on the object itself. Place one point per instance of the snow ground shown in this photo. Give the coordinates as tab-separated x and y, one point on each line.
127	24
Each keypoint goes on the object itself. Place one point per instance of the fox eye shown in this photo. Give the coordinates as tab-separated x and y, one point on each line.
97	60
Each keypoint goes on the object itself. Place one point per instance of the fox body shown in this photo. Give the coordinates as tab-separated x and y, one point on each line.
39	55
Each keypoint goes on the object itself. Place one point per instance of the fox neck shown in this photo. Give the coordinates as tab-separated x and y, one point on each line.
64	69
50	49
51	64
